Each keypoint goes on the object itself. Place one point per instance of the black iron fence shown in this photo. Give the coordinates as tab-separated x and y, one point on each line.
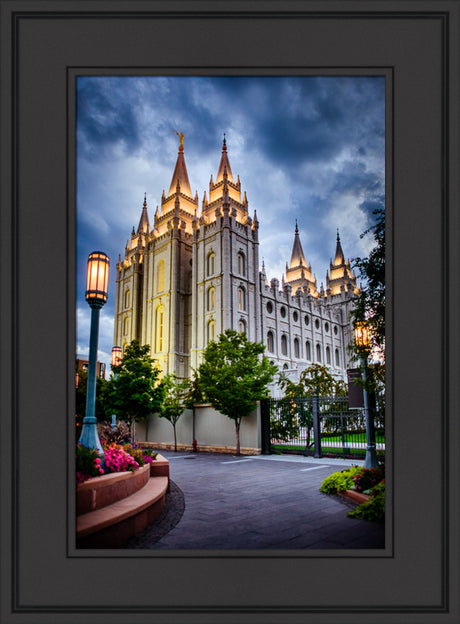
319	426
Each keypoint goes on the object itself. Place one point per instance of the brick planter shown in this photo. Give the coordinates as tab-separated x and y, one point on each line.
356	497
112	508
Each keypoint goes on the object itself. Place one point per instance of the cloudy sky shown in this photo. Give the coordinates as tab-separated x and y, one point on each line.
310	149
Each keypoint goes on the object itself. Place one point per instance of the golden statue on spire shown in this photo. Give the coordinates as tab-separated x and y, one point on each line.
181	138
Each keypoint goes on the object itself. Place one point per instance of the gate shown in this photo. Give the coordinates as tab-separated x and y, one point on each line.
318	426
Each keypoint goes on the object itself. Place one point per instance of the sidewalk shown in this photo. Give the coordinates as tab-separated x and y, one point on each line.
254	502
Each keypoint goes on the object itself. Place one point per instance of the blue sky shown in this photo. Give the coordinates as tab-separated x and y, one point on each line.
308	148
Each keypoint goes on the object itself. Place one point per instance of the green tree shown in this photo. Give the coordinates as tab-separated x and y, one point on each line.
136	392
175	400
370	303
370	307
316	380
234	375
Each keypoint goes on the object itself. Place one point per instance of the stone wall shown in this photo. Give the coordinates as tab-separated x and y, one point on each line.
213	431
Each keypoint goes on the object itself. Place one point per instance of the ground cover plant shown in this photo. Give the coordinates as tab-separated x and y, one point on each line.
364	480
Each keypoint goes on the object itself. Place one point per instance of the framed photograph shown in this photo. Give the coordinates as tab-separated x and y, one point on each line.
49	51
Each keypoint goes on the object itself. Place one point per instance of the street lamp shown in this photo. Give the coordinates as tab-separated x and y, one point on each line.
116	359
362	342
97	279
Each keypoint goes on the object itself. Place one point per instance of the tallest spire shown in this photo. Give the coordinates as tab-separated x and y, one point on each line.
180	175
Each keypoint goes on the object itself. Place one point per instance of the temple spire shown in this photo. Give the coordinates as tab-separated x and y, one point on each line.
180	175
339	257
224	166
144	225
297	257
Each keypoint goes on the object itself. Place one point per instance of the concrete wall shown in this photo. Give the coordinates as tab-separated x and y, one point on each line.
213	431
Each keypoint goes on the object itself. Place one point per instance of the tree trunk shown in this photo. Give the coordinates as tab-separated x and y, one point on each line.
237	430
175	438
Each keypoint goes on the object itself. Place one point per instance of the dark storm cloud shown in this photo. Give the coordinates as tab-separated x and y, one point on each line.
105	119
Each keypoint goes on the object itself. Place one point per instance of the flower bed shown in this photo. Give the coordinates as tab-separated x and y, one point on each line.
117	458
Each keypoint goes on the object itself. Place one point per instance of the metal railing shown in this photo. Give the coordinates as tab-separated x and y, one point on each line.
319	426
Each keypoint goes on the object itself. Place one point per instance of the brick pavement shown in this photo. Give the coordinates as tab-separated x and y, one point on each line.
270	502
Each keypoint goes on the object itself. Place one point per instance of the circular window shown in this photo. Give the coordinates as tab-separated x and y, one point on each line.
283	311
269	307
295	316
335	330
307	320
326	327
317	324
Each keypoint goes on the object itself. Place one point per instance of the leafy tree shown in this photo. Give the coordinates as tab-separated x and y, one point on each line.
136	392
174	402
234	375
316	380
370	303
370	307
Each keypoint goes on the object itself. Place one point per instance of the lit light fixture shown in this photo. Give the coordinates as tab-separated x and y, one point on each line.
97	278
362	336
116	356
97	281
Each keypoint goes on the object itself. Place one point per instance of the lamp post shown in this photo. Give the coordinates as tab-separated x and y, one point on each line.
116	359
97	279
362	341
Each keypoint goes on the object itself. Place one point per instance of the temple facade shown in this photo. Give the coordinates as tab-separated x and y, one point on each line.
196	272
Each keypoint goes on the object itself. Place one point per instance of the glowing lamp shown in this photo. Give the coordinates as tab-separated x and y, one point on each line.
97	279
116	356
362	336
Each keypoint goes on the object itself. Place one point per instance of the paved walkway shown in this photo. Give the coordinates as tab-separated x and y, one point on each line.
265	501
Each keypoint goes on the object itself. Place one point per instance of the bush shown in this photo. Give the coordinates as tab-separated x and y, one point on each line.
374	508
88	463
368	479
340	481
119	434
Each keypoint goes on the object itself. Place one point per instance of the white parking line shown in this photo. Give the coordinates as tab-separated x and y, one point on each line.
314	468
236	461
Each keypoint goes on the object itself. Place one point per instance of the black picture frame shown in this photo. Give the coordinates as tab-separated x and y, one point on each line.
44	44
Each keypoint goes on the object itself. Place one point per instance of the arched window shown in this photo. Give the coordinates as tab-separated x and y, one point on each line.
337	357
241	263
159	329
241	298
285	367
308	350
284	349
270	342
125	326
318	353
127	298
161	276
211	331
296	348
328	355
210	263
211	299
242	326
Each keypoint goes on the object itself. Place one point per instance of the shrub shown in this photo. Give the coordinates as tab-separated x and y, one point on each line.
374	508
340	481
88	463
368	479
117	435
